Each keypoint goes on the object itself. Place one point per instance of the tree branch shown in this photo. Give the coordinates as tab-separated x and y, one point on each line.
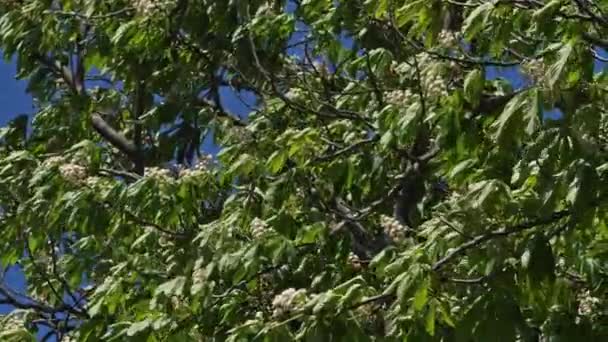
595	40
10	299
503	232
119	173
346	149
138	111
113	137
99	124
220	112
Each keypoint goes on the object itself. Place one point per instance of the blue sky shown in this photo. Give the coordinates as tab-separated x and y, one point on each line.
13	99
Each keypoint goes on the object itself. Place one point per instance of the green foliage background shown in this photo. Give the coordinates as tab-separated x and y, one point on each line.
387	190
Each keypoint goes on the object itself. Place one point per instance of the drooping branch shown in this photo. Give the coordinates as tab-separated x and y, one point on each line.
220	112
138	111
502	232
594	40
104	129
113	137
8	297
347	149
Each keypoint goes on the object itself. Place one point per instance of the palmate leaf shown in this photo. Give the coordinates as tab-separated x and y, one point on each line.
414	185
478	17
473	86
510	118
556	70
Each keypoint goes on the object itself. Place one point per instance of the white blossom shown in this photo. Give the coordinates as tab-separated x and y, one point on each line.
287	301
54	161
258	228
588	304
198	275
93	181
152	7
73	173
186	172
72	336
294	94
158	173
403	98
12	322
395	230
534	69
354	261
201	165
448	38
204	162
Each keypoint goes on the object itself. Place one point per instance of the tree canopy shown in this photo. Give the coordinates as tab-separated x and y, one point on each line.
420	170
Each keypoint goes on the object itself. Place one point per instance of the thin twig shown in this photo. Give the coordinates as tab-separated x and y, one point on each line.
346	150
502	232
120	173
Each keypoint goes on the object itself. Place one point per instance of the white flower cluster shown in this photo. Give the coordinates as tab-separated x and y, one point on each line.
435	86
70	337
588	305
404	98
201	165
158	173
321	67
395	230
448	38
534	68
198	274
259	228
12	322
433	81
54	161
150	7
204	162
354	261
93	181
73	173
287	301
295	94
186	172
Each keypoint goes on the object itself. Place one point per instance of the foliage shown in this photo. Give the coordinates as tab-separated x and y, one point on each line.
385	185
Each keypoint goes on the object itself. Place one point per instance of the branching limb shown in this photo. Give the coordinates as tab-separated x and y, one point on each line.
499	233
219	112
347	149
118	173
115	138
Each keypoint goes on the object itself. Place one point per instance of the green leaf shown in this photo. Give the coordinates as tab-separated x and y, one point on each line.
476	20
409	12
504	125
445	315
387	139
557	69
538	260
123	31
381	9
421	295
534	113
276	161
547	11
473	86
244	165
172	287
139	327
429	324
